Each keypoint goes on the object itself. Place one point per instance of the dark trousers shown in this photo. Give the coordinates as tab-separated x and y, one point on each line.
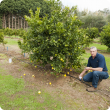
95	76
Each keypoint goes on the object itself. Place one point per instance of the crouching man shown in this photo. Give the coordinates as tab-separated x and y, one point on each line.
97	64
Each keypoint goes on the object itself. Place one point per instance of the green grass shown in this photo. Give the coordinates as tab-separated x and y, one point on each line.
11	41
15	96
10	85
3	56
30	100
13	36
99	46
97	39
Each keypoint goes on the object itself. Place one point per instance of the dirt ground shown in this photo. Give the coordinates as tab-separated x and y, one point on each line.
68	90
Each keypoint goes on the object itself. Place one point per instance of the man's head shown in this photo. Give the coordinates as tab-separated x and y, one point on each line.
93	51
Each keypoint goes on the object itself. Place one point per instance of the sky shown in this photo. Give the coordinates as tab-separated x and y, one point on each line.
91	5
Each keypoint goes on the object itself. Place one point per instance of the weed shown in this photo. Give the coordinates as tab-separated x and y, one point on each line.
19	70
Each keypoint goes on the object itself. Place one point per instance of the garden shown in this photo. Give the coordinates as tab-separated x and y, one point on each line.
40	65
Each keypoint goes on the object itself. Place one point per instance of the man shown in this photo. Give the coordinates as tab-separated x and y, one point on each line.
97	64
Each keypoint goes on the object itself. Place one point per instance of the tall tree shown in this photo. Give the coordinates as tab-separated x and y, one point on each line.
93	21
21	7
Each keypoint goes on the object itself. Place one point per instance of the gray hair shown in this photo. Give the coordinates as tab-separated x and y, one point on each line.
93	48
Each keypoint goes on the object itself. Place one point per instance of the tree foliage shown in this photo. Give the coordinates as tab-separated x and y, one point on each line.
105	36
56	40
93	21
108	18
1	37
17	32
92	32
21	7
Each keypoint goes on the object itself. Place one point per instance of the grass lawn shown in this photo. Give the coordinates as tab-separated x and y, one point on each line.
99	46
11	41
14	96
97	39
13	36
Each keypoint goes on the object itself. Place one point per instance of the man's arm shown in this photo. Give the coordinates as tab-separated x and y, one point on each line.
94	69
82	73
89	68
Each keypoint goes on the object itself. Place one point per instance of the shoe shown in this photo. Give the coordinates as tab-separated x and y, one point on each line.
91	89
99	81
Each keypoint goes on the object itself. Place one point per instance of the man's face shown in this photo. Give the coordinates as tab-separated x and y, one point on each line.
93	52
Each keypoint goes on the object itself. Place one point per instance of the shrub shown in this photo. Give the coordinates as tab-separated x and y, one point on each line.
56	40
1	37
92	32
16	32
8	31
105	36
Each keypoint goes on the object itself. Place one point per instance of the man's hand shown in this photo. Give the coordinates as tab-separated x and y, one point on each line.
88	68
94	69
81	75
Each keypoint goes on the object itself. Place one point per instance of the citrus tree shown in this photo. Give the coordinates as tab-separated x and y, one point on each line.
55	40
90	34
1	37
105	36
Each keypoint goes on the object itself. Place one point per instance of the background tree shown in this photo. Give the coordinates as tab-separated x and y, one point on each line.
108	18
16	9
93	21
105	36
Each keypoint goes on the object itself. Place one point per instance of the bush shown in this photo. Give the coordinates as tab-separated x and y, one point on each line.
8	31
1	37
89	35
56	40
105	36
15	32
92	32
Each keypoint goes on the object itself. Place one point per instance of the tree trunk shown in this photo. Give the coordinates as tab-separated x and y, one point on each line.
9	21
21	22
12	21
15	21
4	22
18	22
24	23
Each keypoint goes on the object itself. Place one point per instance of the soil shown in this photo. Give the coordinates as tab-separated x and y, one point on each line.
72	91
